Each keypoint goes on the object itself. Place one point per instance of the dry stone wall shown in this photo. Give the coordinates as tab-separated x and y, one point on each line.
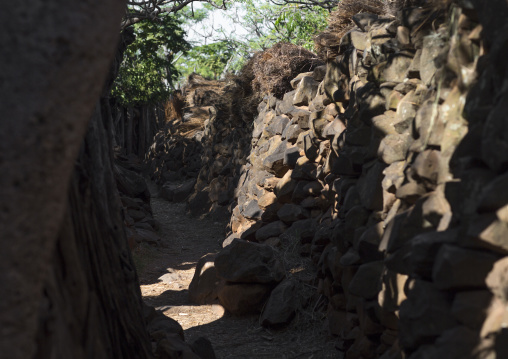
199	157
387	167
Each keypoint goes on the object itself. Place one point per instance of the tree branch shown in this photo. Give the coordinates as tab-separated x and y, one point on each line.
139	10
325	4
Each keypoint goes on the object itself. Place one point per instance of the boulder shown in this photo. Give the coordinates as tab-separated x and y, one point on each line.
248	262
240	298
333	128
426	167
455	343
310	147
284	188
396	68
161	323
294	82
291	132
289	213
490	231
305	91
291	156
424	249
268	199
366	283
494	195
130	183
302	230
304	170
273	229
281	306
229	239
286	105
433	46
170	346
394	148
359	40
460	268
277	125
424	315
251	210
205	282
300	117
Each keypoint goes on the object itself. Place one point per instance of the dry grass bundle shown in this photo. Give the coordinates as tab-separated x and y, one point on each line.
392	7
202	92
274	68
193	122
188	109
340	22
173	109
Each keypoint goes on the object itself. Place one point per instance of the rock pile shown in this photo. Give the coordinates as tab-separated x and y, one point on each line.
387	166
168	339
245	276
175	153
198	158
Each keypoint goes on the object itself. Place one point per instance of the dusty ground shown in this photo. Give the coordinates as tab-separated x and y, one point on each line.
187	239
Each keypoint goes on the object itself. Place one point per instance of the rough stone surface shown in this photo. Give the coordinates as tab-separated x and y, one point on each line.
247	262
281	306
240	299
305	91
205	282
273	229
459	268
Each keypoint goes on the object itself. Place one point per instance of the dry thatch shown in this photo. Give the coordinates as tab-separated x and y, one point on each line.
173	109
188	109
273	69
202	92
392	7
340	22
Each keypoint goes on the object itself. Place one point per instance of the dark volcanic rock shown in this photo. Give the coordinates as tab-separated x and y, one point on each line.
247	262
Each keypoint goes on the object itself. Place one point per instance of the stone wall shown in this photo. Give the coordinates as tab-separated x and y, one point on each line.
198	158
387	166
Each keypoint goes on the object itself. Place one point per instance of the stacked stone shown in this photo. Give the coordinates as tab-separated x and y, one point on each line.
225	144
173	158
403	212
283	185
199	159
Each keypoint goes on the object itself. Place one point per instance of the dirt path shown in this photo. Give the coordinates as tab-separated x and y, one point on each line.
185	240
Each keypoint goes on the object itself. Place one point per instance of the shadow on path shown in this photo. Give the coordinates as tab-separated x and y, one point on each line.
184	241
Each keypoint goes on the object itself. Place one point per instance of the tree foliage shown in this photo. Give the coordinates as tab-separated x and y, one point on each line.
160	56
208	60
264	24
148	72
298	25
